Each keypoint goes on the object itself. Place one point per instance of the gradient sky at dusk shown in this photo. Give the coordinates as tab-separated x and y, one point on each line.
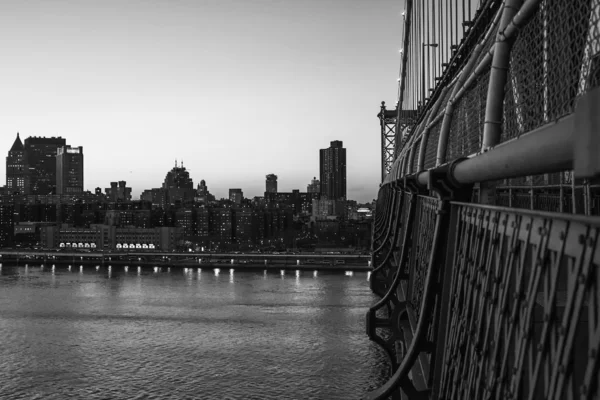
237	89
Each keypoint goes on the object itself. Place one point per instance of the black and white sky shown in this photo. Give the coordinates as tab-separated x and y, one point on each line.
237	89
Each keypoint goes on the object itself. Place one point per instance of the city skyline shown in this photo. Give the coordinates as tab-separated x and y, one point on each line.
236	90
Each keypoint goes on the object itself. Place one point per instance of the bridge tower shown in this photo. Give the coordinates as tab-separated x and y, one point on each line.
387	122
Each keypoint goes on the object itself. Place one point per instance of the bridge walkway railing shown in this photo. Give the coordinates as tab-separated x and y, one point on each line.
485	251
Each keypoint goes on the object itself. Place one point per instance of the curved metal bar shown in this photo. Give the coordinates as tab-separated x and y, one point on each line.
383	219
400	377
397	225
397	194
399	276
385	231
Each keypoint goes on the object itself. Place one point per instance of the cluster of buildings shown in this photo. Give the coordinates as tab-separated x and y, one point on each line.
44	205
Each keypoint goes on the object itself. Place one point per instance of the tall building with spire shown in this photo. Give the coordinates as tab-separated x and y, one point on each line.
17	174
333	171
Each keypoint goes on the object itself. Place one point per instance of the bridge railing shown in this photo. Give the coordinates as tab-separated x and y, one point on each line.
485	294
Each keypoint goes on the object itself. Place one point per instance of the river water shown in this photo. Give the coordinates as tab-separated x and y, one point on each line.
184	334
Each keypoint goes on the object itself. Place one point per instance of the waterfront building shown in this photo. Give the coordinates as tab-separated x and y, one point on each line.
6	223
108	237
333	171
69	170
271	183
17	174
40	155
221	220
185	219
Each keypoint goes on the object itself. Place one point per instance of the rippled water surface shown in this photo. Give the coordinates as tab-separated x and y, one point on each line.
112	334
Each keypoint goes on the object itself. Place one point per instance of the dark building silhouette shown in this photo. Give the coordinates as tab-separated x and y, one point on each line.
118	191
40	155
17	174
333	171
271	183
69	170
178	185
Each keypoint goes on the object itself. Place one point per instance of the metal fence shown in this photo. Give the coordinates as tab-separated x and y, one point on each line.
485	239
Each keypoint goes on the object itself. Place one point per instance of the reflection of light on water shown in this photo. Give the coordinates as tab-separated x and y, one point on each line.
349	273
139	270
217	271
265	274
69	268
282	272
169	269
368	275
231	275
297	277
53	268
126	268
155	270
97	267
315	274
81	269
199	273
109	271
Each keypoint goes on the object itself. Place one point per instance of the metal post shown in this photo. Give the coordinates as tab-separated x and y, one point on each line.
498	75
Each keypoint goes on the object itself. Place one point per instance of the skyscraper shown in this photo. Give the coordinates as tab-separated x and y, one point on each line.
17	175
271	183
333	171
69	170
40	155
178	185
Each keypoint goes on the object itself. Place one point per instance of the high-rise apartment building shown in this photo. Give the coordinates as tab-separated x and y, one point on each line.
271	183
69	170
40	155
236	196
333	171
314	186
17	175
